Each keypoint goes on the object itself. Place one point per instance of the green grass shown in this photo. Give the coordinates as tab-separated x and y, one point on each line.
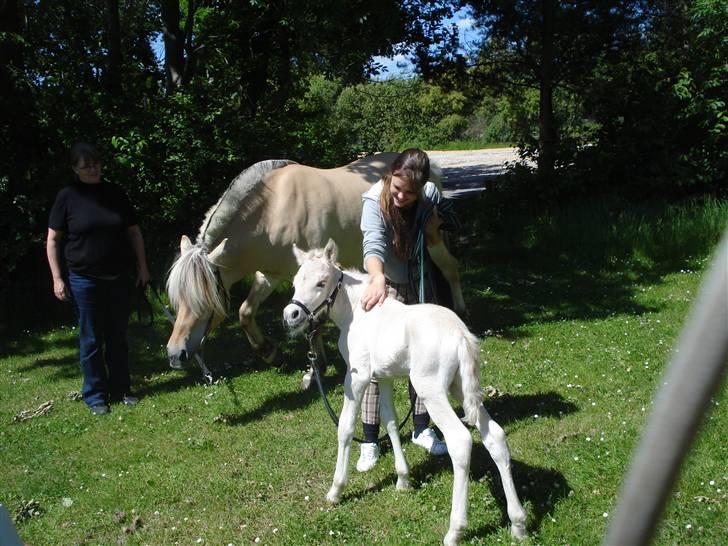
574	340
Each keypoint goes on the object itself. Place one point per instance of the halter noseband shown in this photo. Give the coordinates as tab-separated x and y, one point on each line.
313	322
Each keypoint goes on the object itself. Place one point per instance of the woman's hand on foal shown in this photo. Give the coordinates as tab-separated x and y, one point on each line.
375	293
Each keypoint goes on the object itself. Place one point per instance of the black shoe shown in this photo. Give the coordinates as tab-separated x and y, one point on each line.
100	409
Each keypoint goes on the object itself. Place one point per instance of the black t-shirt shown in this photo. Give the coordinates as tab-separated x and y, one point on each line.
95	218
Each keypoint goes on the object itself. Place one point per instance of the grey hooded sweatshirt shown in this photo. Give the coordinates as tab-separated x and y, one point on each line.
378	235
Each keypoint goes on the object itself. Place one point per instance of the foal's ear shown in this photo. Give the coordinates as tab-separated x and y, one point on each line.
218	251
331	251
184	244
299	254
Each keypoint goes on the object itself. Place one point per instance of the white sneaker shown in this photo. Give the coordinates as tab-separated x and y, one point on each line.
368	458
429	441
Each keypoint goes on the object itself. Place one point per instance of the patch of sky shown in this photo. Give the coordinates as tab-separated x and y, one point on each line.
400	66
397	66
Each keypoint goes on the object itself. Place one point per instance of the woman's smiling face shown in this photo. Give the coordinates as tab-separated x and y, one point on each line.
403	194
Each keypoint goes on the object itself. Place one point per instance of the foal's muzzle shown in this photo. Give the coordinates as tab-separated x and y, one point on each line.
293	317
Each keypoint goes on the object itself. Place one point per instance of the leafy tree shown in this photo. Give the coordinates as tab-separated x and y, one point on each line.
660	105
394	114
548	45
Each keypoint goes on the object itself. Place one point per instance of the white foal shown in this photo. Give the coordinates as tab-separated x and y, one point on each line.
428	343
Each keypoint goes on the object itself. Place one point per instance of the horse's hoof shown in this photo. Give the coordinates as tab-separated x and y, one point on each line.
306	380
273	356
452	538
403	484
267	351
518	530
308	377
332	498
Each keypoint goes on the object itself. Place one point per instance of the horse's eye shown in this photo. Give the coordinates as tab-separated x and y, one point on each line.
322	284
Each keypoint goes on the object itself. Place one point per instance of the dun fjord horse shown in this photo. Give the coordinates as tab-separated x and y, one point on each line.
428	343
251	229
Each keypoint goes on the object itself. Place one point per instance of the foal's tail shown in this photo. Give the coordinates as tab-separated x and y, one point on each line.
469	357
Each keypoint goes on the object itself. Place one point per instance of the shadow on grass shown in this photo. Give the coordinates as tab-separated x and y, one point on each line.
539	488
37	342
504	296
290	400
510	408
542	488
64	367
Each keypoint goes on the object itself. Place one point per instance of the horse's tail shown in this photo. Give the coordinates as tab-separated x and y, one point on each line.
469	357
191	281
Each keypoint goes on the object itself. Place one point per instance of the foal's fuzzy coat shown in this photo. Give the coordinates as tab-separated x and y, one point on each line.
428	343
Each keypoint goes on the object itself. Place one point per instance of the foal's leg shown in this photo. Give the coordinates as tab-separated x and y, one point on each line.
262	287
494	440
459	446
354	386
389	417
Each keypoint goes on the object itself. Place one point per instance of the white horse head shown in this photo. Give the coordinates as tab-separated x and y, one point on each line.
314	282
197	292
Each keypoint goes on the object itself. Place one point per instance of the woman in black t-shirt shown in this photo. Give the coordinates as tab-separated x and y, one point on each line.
93	229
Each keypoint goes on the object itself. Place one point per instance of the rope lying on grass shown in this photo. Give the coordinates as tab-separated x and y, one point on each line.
24	415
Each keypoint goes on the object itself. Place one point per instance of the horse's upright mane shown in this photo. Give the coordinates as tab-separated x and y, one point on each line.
238	198
357	275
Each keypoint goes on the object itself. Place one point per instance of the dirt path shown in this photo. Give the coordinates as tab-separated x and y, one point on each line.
466	172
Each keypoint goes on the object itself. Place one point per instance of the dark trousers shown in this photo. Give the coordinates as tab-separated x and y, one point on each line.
102	307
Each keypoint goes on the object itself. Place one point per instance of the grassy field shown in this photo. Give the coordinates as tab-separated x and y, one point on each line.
577	311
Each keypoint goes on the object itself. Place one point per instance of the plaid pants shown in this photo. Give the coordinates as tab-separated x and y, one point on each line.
370	403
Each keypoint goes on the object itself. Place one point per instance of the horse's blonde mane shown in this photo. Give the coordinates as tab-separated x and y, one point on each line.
239	199
191	281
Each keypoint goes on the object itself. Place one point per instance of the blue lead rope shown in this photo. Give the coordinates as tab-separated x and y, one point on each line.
421	253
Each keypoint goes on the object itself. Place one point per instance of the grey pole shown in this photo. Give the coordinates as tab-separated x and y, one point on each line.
693	376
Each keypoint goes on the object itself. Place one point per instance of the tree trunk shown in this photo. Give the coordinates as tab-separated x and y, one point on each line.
548	135
113	70
174	44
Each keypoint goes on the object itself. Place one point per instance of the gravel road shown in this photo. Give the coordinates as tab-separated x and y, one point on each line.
466	172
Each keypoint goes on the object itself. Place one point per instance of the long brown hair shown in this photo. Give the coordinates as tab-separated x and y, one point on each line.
412	165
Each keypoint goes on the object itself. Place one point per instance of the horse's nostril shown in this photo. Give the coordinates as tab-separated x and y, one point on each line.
294	315
183	356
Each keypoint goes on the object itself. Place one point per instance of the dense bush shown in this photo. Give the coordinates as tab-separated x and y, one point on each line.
395	114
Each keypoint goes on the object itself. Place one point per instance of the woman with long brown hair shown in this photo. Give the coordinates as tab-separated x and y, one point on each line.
399	213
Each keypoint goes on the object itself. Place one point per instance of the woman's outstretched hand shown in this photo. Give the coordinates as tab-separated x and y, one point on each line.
375	293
